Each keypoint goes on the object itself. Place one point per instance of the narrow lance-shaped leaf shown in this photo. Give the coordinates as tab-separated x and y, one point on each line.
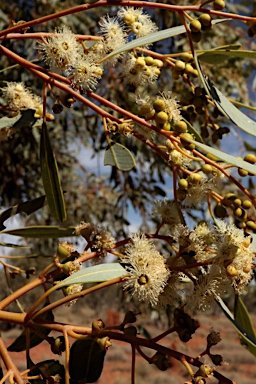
225	157
119	156
95	274
152	38
41	231
27	207
247	338
242	317
50	176
225	106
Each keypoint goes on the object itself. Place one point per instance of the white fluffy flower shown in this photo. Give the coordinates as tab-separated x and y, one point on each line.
18	97
148	274
61	50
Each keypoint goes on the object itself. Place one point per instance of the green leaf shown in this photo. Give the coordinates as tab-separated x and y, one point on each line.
229	159
216	56
242	317
41	231
119	156
27	207
225	106
86	361
20	343
51	179
152	38
94	274
247	338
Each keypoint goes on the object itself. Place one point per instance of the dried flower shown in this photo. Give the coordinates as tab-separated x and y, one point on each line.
176	157
148	273
113	32
102	241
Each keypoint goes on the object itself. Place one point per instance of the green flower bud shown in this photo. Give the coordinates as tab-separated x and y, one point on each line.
180	127
194	178
183	184
207	169
180	65
218	5
159	105
161	117
246	204
205	19
195	25
149	60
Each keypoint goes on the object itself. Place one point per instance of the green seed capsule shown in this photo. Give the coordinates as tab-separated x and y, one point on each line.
167	126
184	137
238	212
145	109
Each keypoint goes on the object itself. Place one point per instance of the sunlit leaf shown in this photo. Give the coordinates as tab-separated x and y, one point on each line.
27	207
41	231
20	343
152	38
94	274
86	361
225	106
248	339
119	156
216	56
229	159
51	179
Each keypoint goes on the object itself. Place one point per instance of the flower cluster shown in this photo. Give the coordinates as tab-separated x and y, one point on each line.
140	23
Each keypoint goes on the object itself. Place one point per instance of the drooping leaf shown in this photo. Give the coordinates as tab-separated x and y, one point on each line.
41	231
51	179
119	156
225	106
247	338
242	317
27	207
20	343
229	159
86	361
94	274
153	37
